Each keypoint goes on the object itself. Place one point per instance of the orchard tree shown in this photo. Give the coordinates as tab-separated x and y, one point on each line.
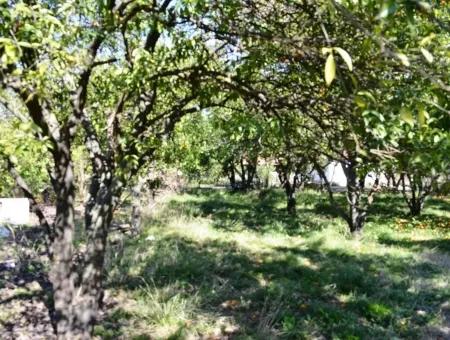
422	140
287	142
335	63
115	76
191	148
283	76
240	132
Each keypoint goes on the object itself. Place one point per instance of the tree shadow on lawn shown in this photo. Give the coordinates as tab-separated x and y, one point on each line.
288	292
258	211
264	211
417	245
438	203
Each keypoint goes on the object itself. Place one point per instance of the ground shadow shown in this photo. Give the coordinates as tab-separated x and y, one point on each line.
258	211
294	292
25	290
265	211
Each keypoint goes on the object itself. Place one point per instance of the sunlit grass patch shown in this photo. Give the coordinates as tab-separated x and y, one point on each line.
208	266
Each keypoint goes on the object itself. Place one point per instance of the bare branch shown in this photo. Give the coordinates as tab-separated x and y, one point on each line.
113	126
103	62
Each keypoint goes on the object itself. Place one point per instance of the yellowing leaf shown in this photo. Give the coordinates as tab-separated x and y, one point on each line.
427	40
403	58
11	53
422	117
428	56
360	102
406	116
330	69
326	50
344	55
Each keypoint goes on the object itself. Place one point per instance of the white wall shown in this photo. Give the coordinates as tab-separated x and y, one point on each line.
334	173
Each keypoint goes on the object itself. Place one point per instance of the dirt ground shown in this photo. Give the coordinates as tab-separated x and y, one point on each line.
25	306
24	288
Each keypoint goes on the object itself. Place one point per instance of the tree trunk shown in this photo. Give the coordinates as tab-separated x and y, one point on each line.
283	171
356	216
62	274
78	294
417	195
355	187
232	176
91	296
416	207
251	172
291	201
89	299
243	177
136	210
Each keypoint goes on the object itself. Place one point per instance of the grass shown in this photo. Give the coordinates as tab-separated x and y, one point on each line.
212	264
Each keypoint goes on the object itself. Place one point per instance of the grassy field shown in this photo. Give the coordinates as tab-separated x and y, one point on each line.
217	265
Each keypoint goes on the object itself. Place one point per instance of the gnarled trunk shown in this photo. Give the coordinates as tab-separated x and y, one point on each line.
232	176
291	206
77	287
62	274
419	189
251	172
355	188
284	176
357	217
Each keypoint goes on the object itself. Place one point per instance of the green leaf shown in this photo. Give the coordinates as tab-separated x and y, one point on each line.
428	56
359	100
344	55
330	69
422	117
11	53
406	116
368	95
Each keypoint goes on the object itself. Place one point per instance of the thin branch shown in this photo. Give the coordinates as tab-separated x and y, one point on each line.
103	62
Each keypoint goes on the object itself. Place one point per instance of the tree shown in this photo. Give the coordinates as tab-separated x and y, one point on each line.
287	141
335	63
239	134
422	162
191	148
116	77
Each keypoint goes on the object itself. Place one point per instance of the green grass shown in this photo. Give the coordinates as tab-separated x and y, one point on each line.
211	264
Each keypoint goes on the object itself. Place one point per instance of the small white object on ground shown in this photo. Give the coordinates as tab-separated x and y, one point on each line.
14	210
150	238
